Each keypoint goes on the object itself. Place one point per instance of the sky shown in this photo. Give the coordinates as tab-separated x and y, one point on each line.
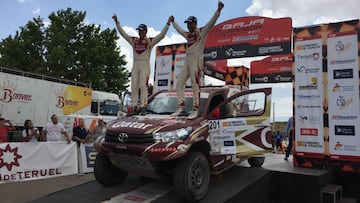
16	13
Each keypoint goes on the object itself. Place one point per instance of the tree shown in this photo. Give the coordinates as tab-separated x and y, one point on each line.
68	48
26	50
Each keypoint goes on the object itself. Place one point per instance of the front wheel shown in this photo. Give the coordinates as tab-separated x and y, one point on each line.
192	177
106	173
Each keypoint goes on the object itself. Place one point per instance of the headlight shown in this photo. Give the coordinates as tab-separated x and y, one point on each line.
172	136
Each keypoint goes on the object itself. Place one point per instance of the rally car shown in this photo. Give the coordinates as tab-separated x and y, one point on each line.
232	125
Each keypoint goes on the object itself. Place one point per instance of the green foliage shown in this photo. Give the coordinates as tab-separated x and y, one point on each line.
68	48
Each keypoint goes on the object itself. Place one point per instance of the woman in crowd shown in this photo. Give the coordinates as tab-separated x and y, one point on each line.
30	134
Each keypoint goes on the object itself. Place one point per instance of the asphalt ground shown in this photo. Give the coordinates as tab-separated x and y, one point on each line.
85	188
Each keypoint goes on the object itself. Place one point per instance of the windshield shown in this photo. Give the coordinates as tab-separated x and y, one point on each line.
109	108
166	103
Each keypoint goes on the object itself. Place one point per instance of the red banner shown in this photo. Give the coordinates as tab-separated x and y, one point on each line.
248	36
272	69
216	69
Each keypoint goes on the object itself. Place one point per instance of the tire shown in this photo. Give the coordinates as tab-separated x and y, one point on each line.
106	173
192	177
256	161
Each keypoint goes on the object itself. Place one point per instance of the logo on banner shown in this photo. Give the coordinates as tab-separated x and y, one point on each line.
280	78
304	69
308	106
235	53
252	23
343	74
9	157
345	130
340	47
314	57
272	49
343	88
90	156
262	79
341	117
308	46
308	97
164	82
163	63
342	147
8	93
211	55
237	123
343	61
338	146
342	102
312	86
313	120
309	132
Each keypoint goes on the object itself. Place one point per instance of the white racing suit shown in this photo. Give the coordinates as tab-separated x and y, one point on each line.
141	64
194	62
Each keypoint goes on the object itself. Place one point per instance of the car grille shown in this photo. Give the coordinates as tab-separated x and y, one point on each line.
114	138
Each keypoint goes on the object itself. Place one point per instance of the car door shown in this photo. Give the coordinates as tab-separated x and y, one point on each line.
240	124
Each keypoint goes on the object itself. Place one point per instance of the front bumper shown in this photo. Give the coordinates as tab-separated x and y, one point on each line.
154	152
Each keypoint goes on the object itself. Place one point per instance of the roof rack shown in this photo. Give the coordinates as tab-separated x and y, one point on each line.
42	77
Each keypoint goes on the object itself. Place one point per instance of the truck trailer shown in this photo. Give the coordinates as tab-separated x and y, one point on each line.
25	95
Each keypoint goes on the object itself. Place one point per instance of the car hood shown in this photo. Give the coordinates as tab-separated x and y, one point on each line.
150	123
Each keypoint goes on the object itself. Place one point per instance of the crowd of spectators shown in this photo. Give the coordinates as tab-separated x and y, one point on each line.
51	132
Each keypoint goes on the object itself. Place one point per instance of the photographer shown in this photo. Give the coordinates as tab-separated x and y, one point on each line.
4	129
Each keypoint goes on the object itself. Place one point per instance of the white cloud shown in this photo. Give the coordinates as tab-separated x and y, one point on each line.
21	1
307	12
36	12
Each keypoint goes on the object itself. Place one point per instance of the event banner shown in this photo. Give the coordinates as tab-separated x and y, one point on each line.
335	91
343	88
308	95
29	161
272	69
248	37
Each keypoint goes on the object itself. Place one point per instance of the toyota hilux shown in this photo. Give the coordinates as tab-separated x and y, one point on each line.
232	125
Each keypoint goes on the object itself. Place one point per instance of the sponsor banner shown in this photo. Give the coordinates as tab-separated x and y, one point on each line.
247	37
87	158
31	161
309	95
272	69
163	72
168	64
337	93
343	81
216	69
